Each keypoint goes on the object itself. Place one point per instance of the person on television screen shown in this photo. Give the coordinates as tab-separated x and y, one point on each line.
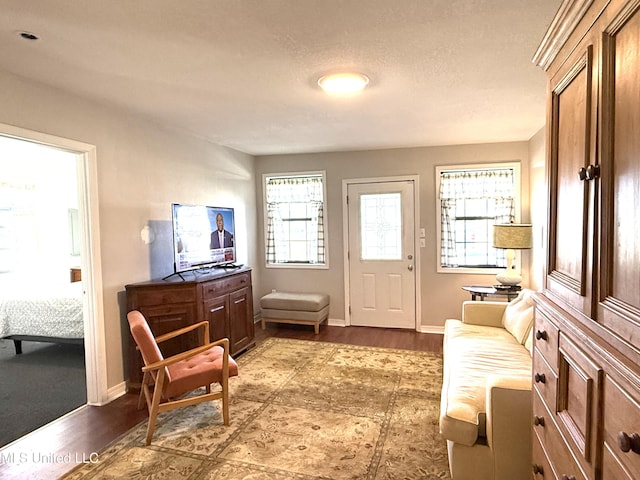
221	238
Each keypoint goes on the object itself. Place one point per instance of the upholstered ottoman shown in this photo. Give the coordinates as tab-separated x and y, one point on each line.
296	308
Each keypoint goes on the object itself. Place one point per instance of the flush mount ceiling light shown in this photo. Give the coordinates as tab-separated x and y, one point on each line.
343	83
28	35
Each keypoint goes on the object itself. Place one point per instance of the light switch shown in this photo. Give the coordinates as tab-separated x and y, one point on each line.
422	243
423	233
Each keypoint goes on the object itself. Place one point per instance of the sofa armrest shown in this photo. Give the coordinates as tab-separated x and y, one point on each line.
483	313
508	405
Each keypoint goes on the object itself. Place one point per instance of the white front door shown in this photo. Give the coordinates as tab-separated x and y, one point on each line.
382	286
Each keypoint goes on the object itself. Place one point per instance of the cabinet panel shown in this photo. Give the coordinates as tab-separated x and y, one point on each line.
619	295
546	339
241	328
612	469
541	467
548	435
579	388
163	319
162	296
216	311
572	140
215	288
545	381
622	425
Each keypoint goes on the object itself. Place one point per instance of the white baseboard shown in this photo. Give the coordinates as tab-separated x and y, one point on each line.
337	322
112	393
438	329
341	322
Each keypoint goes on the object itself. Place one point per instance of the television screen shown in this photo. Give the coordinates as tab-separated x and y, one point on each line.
203	236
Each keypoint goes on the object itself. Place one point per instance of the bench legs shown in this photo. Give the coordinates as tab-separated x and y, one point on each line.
315	323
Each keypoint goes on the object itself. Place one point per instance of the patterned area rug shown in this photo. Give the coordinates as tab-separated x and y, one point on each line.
303	410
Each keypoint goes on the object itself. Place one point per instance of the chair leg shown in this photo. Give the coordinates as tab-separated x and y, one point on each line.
155	406
141	397
225	400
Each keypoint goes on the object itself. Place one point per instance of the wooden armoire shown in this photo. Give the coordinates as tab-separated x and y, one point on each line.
586	385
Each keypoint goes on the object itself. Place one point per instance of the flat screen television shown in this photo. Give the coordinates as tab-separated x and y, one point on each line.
203	237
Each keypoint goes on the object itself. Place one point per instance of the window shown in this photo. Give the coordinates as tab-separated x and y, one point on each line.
471	199
295	220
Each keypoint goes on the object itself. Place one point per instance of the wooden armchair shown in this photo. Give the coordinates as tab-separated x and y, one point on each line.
165	380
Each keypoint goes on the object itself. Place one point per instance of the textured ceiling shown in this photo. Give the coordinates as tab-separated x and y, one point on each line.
243	73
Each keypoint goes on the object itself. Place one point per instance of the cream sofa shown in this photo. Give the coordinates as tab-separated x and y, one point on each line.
485	410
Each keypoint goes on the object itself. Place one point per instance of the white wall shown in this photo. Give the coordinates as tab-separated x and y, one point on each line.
539	204
142	168
441	293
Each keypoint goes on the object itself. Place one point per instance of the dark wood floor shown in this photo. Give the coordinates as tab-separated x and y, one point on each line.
53	450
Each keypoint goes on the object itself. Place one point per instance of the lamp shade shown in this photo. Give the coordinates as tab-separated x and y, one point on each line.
512	235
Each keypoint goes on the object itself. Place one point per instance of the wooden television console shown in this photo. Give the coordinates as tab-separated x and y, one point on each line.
223	298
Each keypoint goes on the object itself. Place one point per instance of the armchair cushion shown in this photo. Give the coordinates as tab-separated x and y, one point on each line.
190	374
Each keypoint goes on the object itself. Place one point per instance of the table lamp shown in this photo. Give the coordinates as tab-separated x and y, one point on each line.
512	237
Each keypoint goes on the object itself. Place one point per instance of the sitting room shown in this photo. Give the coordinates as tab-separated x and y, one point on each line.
337	240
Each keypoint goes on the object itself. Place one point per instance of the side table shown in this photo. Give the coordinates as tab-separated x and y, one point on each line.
480	292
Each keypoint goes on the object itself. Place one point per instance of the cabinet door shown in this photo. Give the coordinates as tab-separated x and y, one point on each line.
571	123
163	319
241	319
216	311
619	280
166	318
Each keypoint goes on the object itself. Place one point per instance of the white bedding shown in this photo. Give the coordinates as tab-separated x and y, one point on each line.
51	312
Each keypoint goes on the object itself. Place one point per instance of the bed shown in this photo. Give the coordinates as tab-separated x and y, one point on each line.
52	314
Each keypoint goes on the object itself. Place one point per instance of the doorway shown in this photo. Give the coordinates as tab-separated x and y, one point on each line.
381	252
88	242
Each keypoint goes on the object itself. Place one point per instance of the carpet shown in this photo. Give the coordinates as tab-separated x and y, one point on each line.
38	386
303	410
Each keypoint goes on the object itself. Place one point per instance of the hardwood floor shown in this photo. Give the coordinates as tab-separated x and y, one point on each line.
55	449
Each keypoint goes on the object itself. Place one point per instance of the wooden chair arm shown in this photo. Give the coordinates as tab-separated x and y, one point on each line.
224	342
183	330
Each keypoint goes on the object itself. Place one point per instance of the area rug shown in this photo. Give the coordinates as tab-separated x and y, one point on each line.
299	410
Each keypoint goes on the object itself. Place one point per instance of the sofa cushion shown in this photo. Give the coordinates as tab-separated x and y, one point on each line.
472	353
518	316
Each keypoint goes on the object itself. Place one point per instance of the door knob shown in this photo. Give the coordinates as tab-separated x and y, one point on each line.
410	267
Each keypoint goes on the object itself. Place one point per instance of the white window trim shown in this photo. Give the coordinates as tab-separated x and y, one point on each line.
305	266
474	166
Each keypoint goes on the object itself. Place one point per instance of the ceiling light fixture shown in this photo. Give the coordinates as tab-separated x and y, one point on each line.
343	83
28	35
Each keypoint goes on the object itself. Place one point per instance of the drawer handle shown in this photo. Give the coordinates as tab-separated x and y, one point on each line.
540	378
567	477
628	442
582	173
217	309
541	335
538	421
537	470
